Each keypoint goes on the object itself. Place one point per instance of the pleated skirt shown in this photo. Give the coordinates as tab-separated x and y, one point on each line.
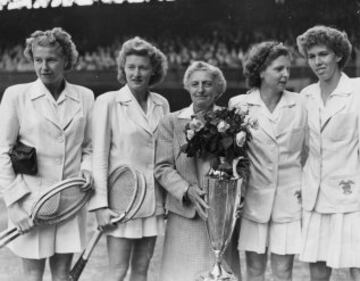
277	238
331	238
138	228
47	240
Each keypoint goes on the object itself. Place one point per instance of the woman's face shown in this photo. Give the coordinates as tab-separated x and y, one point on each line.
276	74
323	62
138	71
202	90
49	64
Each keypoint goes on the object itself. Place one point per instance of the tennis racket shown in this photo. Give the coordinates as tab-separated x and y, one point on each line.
58	203
126	193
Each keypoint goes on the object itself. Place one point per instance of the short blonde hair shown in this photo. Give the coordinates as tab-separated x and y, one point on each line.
215	72
53	37
140	47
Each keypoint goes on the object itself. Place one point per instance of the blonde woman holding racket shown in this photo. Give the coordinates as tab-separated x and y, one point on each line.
125	123
52	116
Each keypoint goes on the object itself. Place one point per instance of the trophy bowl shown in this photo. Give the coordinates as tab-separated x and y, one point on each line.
223	196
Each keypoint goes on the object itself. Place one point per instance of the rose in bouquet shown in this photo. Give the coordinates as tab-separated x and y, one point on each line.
222	137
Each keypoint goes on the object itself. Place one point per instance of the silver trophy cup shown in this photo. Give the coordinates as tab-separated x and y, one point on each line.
223	197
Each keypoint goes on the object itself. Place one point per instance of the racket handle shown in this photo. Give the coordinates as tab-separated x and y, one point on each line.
7	232
10	237
77	269
83	259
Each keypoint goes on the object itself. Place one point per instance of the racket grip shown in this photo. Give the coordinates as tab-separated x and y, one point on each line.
10	237
83	259
77	269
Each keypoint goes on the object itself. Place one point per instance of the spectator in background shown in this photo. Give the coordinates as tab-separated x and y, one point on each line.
331	182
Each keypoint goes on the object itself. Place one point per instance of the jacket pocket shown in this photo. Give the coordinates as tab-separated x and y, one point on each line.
296	139
342	126
287	203
342	192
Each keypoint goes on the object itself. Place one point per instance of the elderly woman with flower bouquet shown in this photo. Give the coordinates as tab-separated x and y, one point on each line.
272	208
187	252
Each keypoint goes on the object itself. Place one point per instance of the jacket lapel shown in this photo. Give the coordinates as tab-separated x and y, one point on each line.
39	100
286	107
72	105
156	112
313	110
182	119
258	111
340	98
132	109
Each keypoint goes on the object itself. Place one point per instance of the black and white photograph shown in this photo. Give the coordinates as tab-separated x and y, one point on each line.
179	140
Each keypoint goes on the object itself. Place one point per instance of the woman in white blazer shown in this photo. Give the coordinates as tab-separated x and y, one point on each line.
53	116
124	125
272	210
331	183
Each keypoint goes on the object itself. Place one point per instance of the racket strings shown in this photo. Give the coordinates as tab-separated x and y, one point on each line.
122	191
59	206
138	199
50	207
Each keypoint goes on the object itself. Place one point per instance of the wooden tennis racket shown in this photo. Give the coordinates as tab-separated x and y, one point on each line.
60	202
126	193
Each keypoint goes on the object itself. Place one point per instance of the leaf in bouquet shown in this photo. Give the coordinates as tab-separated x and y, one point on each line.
212	144
184	147
227	142
214	122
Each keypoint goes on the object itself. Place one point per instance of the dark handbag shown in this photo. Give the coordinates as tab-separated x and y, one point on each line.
23	159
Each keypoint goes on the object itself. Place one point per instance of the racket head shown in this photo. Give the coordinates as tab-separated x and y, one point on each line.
122	189
60	202
139	198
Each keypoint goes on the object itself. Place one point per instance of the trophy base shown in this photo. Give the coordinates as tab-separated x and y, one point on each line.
218	273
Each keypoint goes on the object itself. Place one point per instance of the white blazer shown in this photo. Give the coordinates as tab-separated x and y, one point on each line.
275	151
62	148
123	134
331	182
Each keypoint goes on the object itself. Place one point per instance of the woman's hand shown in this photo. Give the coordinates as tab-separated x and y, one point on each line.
195	195
20	218
104	217
87	175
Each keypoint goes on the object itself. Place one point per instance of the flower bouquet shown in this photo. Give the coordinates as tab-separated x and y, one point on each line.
222	137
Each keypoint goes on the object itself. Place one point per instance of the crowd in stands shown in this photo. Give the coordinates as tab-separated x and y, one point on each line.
224	49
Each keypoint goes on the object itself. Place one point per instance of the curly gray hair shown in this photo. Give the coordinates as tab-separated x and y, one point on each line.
215	72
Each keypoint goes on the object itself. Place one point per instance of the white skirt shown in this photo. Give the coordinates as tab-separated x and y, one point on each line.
331	238
279	238
46	240
138	228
